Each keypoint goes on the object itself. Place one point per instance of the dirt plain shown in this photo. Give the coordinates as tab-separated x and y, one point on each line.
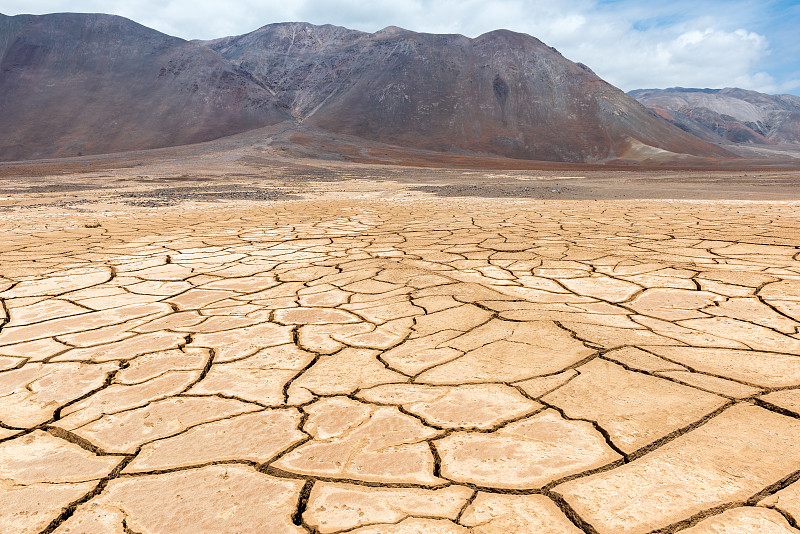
246	342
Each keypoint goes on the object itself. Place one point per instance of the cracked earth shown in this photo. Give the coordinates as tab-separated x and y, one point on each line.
366	365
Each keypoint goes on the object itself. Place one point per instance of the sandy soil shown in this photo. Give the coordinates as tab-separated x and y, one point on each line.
244	342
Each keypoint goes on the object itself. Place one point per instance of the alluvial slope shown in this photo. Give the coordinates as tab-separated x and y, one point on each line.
77	83
728	115
504	93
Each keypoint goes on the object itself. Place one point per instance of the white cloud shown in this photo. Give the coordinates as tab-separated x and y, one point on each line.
630	43
707	57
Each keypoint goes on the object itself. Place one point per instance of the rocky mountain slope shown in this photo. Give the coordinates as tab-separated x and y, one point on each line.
84	84
728	115
503	93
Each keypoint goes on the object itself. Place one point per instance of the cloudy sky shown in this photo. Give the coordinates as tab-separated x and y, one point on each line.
631	43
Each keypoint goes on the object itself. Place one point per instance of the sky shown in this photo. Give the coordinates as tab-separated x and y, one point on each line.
634	44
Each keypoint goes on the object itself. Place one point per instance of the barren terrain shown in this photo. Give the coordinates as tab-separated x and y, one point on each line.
244	342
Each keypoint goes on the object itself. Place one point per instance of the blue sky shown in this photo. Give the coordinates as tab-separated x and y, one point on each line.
631	43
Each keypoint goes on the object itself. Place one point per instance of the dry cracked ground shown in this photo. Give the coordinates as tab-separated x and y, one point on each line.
365	365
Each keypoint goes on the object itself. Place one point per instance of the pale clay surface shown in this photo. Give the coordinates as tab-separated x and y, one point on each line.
356	362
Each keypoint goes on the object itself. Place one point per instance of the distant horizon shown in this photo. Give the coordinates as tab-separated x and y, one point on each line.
630	43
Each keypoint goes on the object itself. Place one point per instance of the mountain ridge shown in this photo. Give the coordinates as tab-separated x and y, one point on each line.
502	92
93	83
730	115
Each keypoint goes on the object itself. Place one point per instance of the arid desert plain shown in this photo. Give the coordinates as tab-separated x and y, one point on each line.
241	342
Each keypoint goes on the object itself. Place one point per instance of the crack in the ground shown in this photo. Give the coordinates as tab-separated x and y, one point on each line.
438	254
69	510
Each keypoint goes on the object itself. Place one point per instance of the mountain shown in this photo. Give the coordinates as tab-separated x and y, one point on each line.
502	93
731	115
76	83
84	84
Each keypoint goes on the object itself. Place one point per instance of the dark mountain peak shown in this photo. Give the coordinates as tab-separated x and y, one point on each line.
512	39
292	37
509	36
91	83
390	31
92	24
323	31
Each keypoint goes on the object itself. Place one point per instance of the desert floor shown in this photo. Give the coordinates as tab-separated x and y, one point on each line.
248	344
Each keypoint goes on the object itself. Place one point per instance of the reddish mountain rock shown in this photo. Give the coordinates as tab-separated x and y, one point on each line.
502	93
728	116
